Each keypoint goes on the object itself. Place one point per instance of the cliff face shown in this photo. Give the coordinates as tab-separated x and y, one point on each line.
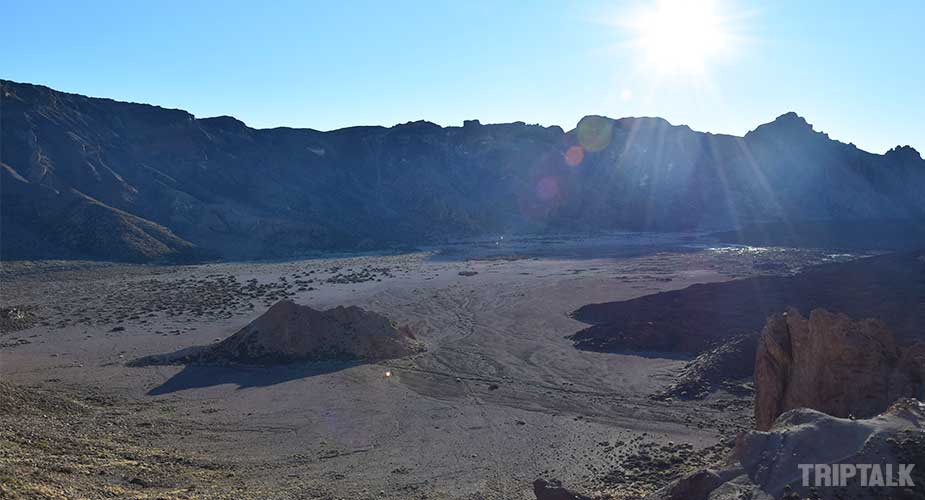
832	364
99	178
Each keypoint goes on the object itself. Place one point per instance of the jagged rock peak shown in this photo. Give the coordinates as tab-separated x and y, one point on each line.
904	154
422	125
787	123
791	117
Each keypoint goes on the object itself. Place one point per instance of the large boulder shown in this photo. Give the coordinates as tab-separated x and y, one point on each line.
830	363
695	486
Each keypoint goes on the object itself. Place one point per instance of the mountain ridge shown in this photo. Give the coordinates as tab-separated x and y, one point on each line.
217	188
477	122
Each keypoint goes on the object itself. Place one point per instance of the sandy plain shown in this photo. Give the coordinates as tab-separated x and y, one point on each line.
500	397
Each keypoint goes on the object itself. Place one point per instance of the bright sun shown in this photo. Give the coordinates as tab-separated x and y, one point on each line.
680	35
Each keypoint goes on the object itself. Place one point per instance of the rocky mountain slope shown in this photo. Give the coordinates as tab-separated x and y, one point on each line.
89	177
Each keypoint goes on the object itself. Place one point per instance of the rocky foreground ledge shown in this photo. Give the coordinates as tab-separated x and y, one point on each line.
767	464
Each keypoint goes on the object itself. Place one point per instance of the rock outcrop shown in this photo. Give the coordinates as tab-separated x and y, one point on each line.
722	367
695	486
830	363
817	381
767	462
908	378
290	332
16	318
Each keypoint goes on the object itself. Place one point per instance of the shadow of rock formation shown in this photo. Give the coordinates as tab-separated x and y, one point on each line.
890	287
288	341
199	376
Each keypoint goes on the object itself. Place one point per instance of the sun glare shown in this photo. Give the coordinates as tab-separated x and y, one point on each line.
680	35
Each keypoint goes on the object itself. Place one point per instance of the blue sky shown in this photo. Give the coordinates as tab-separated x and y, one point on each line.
854	69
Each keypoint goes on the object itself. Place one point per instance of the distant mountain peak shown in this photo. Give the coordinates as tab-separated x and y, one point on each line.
416	125
792	120
787	124
904	154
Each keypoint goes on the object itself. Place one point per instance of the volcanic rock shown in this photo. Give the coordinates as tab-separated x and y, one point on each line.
805	436
832	364
723	366
16	318
290	332
908	378
553	490
767	462
696	486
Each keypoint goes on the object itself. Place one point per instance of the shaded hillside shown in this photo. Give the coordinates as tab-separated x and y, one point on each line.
100	178
858	235
887	287
40	221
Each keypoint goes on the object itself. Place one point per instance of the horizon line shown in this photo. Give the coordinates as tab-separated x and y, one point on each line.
478	121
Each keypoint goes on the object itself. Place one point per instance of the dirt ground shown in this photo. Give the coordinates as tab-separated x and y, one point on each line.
499	398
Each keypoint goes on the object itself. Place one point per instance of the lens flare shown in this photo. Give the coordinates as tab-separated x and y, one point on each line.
595	132
574	156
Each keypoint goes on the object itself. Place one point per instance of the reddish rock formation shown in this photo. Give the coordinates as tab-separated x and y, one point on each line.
833	364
